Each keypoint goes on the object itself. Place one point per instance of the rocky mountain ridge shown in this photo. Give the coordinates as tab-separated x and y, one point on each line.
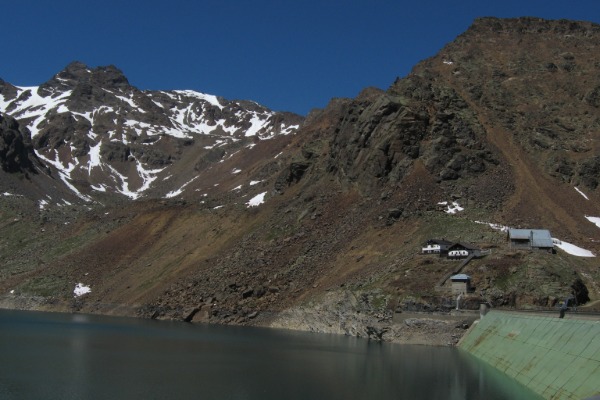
102	136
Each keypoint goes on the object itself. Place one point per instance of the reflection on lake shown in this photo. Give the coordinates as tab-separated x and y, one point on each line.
73	356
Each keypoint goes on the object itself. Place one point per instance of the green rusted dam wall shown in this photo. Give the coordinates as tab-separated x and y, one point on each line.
556	358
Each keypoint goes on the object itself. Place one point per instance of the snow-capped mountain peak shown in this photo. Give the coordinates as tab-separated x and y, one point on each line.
103	135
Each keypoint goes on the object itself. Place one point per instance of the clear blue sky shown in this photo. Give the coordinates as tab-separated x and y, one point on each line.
287	55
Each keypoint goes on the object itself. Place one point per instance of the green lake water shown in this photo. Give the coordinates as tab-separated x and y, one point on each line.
74	356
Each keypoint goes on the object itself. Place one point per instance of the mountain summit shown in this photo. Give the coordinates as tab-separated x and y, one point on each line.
77	73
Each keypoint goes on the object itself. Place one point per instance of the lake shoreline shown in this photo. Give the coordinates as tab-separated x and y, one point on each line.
421	328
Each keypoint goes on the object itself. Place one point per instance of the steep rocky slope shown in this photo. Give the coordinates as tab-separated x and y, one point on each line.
503	122
532	84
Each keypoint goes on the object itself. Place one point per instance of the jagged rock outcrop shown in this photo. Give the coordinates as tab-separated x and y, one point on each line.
16	151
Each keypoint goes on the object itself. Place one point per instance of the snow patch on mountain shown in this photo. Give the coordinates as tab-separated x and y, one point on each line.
87	115
94	155
290	129
581	193
129	101
187	121
100	188
498	227
213	100
594	220
452	208
177	192
572	249
256	124
66	180
124	189
257	200
64	172
148	176
29	104
81	289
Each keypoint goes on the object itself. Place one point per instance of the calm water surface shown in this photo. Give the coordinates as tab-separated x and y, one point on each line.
73	356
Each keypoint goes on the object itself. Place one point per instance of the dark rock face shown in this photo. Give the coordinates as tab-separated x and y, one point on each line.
16	150
60	129
580	291
79	75
458	146
380	135
8	90
593	97
115	152
377	140
292	174
589	172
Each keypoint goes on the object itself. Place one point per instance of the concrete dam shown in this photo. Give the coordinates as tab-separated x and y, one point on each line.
556	358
